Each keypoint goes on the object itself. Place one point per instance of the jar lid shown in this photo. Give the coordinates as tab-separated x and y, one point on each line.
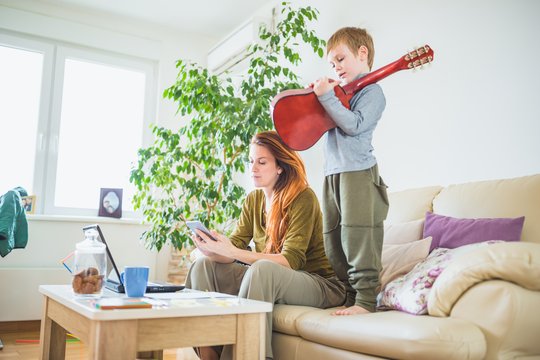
90	242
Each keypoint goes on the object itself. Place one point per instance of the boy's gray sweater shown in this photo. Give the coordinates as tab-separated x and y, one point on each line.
348	146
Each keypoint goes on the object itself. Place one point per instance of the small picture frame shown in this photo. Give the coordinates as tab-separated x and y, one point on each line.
29	203
110	203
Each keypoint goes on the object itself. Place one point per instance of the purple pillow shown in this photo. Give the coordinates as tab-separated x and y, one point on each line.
449	232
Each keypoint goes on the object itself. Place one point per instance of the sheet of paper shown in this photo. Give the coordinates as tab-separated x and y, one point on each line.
188	295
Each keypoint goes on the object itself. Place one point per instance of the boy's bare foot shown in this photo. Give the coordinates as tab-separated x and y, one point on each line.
351	310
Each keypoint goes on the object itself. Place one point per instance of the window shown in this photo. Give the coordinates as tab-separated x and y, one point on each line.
21	72
74	120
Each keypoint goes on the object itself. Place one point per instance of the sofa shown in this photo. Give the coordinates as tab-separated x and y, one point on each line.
484	305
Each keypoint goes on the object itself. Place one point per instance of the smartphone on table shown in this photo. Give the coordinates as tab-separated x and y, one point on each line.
197	225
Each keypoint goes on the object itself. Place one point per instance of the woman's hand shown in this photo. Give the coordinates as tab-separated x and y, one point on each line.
214	249
200	244
323	85
220	246
222	250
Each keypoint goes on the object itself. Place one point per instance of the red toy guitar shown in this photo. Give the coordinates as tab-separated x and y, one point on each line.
300	119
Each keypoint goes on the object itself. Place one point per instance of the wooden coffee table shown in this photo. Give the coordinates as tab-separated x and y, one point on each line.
122	334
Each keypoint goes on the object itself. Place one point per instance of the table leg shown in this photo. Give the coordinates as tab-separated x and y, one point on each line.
112	340
250	340
52	337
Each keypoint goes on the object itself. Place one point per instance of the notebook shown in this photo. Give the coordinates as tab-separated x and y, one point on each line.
114	282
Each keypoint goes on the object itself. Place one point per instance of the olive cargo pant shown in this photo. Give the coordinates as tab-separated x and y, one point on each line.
355	205
268	281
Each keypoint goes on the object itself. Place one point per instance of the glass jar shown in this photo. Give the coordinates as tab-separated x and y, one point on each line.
90	265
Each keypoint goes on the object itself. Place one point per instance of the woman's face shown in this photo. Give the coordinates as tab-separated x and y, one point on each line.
263	166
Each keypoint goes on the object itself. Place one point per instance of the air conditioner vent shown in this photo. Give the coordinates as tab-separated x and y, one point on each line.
231	53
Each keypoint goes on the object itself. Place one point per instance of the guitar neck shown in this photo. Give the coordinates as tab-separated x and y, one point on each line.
372	77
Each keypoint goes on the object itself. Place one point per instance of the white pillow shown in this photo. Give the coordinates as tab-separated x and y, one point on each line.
399	259
404	232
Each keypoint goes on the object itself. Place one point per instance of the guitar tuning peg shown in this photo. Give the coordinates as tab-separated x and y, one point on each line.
416	52
418	57
413	54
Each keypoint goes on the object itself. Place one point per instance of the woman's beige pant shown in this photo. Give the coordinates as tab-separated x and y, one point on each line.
267	281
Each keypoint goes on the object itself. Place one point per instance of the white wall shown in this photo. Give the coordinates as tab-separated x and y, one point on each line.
473	114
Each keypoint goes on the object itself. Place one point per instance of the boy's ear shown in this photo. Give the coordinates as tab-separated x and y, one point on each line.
363	53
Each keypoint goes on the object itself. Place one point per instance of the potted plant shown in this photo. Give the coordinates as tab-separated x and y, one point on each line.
188	173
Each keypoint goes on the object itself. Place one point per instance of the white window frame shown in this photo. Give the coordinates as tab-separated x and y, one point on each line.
46	158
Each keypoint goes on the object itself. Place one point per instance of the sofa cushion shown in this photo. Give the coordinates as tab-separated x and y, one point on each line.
401	233
492	199
449	232
399	259
393	334
411	204
513	332
284	317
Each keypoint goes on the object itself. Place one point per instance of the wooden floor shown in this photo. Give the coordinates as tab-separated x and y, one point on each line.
24	345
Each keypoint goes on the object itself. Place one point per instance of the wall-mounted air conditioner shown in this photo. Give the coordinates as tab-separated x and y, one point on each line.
231	53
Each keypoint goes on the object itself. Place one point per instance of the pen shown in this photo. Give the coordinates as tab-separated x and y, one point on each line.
63	262
67	267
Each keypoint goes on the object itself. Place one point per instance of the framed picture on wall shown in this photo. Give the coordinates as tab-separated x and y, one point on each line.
110	203
29	204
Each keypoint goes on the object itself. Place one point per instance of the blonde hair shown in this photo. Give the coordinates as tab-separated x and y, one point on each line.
291	182
353	38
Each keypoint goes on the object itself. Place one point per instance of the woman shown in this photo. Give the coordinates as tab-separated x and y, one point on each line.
284	220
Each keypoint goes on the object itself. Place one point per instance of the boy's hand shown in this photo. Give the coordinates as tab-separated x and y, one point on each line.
323	85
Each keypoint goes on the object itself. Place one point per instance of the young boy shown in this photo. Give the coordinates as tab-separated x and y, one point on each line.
355	202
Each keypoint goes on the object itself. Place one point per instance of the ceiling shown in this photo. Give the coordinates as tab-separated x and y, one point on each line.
214	18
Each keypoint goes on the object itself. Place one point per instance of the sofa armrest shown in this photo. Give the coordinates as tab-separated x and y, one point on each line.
508	316
517	262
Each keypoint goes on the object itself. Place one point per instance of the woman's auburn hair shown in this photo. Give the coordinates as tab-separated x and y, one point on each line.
291	182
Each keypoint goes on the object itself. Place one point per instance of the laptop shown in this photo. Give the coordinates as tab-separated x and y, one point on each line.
114	281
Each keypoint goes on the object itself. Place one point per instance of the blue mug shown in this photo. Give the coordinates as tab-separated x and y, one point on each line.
135	279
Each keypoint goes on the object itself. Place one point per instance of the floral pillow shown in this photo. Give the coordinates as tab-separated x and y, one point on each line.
409	293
